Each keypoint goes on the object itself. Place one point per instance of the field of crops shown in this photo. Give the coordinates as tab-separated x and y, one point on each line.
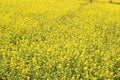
59	40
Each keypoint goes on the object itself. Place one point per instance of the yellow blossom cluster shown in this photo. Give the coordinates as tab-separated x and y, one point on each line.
59	40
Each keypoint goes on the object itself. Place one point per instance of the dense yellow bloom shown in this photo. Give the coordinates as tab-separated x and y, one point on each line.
59	40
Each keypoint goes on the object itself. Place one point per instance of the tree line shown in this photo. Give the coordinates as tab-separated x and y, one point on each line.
110	1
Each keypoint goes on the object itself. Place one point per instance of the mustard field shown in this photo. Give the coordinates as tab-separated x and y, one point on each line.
59	40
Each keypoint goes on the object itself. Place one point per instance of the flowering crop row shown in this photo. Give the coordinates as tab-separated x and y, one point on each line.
59	40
